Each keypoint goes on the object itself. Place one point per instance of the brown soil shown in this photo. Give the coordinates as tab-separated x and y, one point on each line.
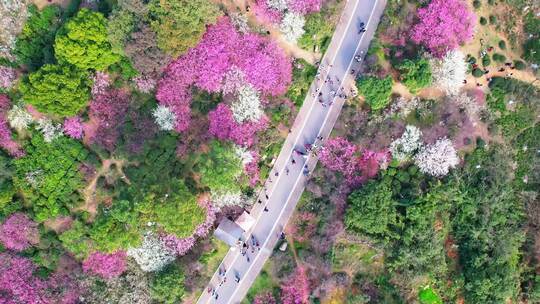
91	201
59	224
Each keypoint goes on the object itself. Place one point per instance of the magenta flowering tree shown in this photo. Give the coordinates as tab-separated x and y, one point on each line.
303	226
443	26
252	169
105	265
338	154
6	141
180	246
264	298
370	162
304	6
265	13
296	289
223	48
19	232
73	127
108	111
224	127
211	213
17	281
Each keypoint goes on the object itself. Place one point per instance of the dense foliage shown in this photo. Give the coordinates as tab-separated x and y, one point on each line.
376	91
415	74
83	42
57	89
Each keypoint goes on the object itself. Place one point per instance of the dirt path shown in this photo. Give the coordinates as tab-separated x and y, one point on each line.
239	6
89	193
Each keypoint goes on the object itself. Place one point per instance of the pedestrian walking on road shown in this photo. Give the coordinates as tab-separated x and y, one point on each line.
293	161
265	209
276	174
247	258
266	195
286	171
237	278
259	201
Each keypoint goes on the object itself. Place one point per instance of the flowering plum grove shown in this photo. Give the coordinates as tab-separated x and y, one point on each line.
221	49
444	25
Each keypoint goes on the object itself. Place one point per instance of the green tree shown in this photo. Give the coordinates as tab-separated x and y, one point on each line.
180	24
376	91
34	46
57	89
167	286
372	210
415	74
220	167
83	42
121	24
177	212
531	50
75	240
48	175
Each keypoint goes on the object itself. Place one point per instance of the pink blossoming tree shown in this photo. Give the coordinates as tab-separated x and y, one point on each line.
108	110
17	281
7	77
339	154
105	265
252	169
73	127
18	232
296	289
6	141
264	298
222	48
305	6
224	127
443	26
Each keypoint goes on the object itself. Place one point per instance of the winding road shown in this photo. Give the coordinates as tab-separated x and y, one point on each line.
287	180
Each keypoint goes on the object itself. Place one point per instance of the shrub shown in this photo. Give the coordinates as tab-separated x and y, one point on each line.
57	89
83	42
415	74
477	4
520	65
483	21
502	45
477	73
499	57
531	50
471	59
486	61
167	286
492	20
376	91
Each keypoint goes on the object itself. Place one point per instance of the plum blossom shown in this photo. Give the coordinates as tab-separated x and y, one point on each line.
247	106
106	265
265	14
49	129
292	26
240	21
73	127
145	84
17	281
280	5
449	71
179	246
101	83
264	298
443	26
304	7
296	289
233	80
252	169
164	118
153	254
228	199
437	159
224	127
18	232
405	146
7	77
6	141
338	154
19	118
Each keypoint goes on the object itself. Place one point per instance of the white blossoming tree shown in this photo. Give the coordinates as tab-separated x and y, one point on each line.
244	154
292	26
279	5
404	147
233	80
19	118
152	255
240	21
450	71
247	106
222	199
164	118
437	159
49	129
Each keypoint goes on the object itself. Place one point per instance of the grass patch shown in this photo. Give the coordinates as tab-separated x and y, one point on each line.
352	257
264	282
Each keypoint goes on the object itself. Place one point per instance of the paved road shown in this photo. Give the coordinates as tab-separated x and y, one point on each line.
314	120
